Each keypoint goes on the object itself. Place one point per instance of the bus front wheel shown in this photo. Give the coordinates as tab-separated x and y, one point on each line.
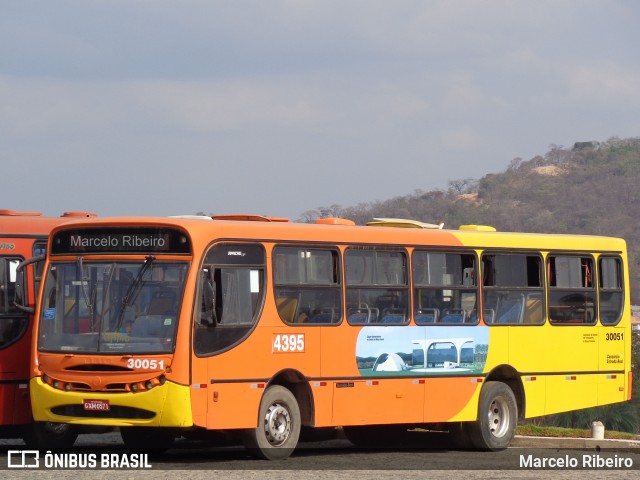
42	435
278	431
497	417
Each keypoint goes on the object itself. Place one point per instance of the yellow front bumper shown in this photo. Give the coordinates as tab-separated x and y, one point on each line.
170	404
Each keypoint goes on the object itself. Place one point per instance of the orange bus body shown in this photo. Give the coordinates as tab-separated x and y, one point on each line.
432	365
22	235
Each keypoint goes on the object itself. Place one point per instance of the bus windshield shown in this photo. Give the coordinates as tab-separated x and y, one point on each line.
111	307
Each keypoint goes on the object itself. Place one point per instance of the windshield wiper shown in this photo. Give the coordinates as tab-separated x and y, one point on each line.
83	287
132	291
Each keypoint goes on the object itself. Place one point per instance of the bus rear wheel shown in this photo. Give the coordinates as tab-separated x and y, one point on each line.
278	431
497	417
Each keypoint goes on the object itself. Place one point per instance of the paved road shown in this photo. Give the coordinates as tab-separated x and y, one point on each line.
339	459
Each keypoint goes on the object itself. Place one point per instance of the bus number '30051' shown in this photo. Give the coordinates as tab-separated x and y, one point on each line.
283	343
145	364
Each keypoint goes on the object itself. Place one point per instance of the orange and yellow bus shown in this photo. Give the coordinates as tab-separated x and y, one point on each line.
259	327
23	235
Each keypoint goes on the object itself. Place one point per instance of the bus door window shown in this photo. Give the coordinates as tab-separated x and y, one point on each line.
572	293
445	287
611	290
307	285
512	289
13	322
231	294
377	286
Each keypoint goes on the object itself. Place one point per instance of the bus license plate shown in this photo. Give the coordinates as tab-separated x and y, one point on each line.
97	405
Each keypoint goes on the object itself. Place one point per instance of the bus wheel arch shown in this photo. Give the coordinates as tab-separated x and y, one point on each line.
298	385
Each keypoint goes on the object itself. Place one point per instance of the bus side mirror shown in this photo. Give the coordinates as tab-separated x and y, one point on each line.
21	292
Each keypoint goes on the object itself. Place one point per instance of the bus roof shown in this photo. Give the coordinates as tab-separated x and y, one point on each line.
338	233
26	223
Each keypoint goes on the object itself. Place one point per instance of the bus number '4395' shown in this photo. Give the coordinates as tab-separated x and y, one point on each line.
283	343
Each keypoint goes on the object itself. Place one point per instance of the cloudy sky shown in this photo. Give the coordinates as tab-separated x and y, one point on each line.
278	107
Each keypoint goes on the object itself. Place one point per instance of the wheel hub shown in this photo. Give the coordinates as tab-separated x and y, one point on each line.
277	424
499	417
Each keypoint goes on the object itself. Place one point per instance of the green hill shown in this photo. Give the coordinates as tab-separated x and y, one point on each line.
589	188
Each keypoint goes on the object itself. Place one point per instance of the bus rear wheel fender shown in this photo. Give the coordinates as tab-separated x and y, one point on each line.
279	424
497	417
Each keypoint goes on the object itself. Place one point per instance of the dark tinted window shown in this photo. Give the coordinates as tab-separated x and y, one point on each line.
232	286
512	289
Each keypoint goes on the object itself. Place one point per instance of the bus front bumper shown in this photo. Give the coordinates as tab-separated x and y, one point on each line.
167	405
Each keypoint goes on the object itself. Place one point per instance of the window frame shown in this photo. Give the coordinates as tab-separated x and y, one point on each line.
202	330
376	313
601	289
525	292
299	316
468	319
577	290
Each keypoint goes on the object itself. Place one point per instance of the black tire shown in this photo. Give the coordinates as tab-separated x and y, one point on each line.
497	418
47	435
147	439
279	424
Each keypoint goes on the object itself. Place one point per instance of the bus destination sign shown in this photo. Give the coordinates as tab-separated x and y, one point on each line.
120	240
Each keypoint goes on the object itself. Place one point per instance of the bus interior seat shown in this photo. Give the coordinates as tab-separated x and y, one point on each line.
393	316
151	326
324	316
511	311
362	315
453	315
426	315
287	308
163	302
533	309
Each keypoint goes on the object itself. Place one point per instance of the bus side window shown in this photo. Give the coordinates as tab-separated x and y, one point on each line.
377	286
572	293
445	288
611	290
307	285
231	293
512	289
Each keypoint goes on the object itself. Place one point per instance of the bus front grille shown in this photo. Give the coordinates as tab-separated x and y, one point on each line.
114	412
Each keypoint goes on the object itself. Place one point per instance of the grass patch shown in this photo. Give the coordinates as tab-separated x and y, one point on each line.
537	431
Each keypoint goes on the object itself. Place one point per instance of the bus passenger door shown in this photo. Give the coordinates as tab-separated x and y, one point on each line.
230	298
